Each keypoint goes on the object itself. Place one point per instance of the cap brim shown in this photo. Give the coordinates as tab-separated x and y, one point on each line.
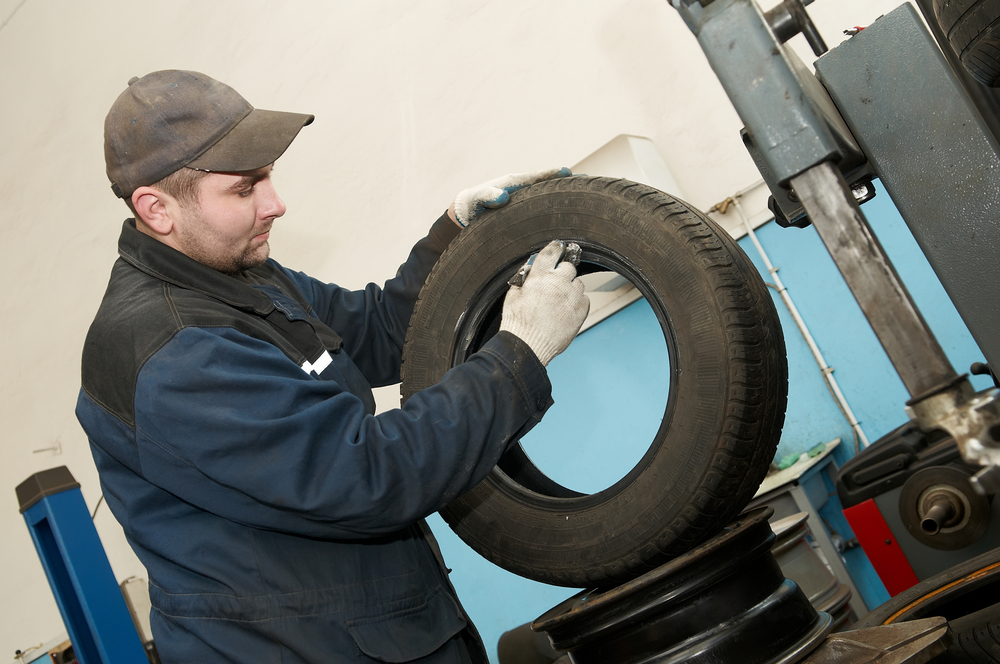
256	141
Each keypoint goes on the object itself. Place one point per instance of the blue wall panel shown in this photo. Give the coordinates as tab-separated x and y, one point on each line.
610	391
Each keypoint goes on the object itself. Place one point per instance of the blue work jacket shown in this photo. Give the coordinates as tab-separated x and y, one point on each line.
280	520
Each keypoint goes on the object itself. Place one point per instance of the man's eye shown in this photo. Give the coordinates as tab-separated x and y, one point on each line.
244	194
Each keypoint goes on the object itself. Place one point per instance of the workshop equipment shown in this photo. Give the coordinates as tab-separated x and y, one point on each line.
136	594
910	503
93	609
802	487
884	104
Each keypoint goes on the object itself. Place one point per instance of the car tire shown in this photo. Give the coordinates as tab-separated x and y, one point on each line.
972	29
728	380
966	595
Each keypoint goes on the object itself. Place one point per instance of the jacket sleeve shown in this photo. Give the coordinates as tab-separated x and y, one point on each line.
373	321
249	436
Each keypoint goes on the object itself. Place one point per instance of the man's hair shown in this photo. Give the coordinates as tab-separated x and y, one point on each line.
182	184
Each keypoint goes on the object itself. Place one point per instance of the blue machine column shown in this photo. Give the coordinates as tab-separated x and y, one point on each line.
90	601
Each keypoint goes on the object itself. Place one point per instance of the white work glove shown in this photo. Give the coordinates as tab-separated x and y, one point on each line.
496	193
547	311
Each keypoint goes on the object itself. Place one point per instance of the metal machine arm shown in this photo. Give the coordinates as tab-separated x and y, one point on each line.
802	143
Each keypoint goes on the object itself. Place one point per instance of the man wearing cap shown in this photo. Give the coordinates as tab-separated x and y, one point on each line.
228	402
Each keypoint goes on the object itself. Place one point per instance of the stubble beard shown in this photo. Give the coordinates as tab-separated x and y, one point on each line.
228	260
249	258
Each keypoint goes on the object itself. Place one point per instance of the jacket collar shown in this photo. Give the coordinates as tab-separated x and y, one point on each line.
167	264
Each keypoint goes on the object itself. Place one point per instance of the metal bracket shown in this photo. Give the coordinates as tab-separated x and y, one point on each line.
789	19
776	96
972	419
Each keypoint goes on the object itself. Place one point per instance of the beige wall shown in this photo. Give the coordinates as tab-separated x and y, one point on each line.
413	102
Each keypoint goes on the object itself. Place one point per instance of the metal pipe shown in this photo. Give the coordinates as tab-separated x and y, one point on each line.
826	370
941	512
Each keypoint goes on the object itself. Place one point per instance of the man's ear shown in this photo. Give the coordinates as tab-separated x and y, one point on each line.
151	207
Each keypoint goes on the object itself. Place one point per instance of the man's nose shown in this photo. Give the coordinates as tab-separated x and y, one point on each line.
272	207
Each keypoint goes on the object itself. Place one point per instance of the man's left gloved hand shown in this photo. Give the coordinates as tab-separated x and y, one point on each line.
546	312
496	193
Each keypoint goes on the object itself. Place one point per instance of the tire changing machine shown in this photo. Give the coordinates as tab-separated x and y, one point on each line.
885	104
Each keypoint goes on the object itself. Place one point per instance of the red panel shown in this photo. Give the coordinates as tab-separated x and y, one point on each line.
882	548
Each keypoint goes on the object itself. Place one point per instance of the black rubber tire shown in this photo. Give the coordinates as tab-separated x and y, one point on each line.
972	28
976	639
727	395
966	595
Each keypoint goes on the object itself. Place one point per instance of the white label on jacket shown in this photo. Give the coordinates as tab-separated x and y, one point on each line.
321	363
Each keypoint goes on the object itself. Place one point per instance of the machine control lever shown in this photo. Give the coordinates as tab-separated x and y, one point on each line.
789	19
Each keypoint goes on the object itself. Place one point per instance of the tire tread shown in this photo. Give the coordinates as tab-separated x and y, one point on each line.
972	29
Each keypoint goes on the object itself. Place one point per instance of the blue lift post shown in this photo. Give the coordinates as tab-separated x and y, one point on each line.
93	609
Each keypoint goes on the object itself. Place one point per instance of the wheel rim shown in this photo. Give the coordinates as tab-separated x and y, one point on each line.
673	613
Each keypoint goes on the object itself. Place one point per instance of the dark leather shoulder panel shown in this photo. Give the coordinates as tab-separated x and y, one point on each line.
133	321
139	314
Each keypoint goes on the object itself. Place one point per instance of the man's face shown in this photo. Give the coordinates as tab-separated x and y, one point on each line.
228	227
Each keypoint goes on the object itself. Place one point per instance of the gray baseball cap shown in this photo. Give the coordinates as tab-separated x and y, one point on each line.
170	119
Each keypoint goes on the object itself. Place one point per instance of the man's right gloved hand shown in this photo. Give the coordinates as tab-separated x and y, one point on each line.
547	311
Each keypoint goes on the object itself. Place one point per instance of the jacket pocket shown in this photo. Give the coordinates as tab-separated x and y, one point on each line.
410	634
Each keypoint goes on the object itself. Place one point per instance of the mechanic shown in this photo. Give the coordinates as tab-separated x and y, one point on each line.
228	402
